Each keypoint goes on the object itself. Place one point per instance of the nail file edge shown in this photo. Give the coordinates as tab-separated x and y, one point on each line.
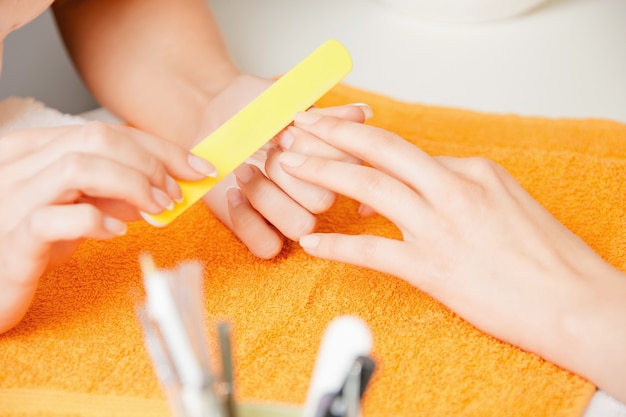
257	123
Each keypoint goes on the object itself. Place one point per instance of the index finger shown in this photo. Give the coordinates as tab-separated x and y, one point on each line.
381	148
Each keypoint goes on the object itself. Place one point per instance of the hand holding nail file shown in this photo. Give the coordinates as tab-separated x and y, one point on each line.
256	124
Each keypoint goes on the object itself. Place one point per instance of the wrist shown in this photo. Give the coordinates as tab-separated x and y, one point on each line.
234	96
595	342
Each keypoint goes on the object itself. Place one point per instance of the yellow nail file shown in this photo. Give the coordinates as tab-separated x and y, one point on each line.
256	124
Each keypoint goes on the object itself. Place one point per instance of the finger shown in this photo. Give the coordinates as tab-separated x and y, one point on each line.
114	208
24	255
178	162
70	222
152	156
366	211
386	195
479	170
291	219
251	228
382	149
301	141
315	199
357	112
74	175
367	251
17	143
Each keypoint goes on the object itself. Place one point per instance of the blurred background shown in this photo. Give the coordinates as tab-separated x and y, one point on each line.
561	58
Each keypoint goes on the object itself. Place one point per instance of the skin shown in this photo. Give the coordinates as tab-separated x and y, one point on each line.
70	183
164	69
181	86
555	296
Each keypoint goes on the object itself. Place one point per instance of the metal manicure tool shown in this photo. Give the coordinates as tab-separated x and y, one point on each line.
176	339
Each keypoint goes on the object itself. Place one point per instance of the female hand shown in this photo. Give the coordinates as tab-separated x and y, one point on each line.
259	202
60	185
477	242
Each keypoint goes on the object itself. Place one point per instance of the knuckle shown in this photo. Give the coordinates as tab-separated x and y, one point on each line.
387	138
35	223
369	249
483	169
70	166
325	201
371	182
303	225
98	135
267	248
155	169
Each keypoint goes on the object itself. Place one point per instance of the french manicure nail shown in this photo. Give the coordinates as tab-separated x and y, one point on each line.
306	118
234	196
173	189
286	139
114	225
202	165
244	173
292	159
309	241
162	199
368	113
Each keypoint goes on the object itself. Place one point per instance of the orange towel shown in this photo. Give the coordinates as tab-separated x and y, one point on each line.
79	351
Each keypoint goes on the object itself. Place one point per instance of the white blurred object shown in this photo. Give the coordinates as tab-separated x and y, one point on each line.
462	11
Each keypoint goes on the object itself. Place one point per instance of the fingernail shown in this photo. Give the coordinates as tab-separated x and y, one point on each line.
173	189
234	196
368	113
309	241
306	118
201	165
292	159
286	139
162	199
244	173
115	226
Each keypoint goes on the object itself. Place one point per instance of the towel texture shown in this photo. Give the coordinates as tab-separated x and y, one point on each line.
79	351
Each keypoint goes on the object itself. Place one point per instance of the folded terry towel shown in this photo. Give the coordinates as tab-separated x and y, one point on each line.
79	350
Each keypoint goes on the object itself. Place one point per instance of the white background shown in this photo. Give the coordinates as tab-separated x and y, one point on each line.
564	59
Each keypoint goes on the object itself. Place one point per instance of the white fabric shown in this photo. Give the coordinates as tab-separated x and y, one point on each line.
19	113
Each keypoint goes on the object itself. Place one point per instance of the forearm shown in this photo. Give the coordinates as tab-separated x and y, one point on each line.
154	63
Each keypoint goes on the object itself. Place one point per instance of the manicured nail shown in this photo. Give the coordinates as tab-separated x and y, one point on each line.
309	241
234	196
173	189
201	165
115	226
368	113
162	199
306	118
244	173
292	159
286	139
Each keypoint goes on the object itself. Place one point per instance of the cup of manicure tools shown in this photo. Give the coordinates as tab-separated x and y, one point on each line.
175	337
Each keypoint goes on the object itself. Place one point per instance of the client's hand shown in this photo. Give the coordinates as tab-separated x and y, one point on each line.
60	185
259	202
476	241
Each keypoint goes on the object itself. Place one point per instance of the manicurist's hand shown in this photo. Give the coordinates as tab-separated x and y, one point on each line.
61	185
174	78
477	242
259	202
268	205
